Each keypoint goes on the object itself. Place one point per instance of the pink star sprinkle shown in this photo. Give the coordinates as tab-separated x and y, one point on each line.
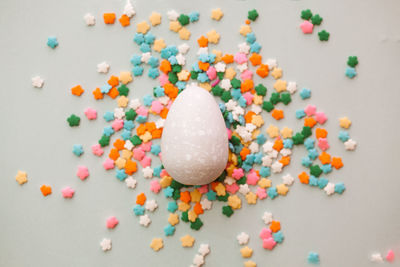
138	154
320	117
97	150
323	144
142	111
390	256
155	186
67	192
156	106
310	110
307	27
146	146
240	58
203	189
82	172
246	75
163	79
117	125
265	233
252	178
261	193
211	73
249	97
269	243
233	188
237	173
108	164
112	222
90	113
145	162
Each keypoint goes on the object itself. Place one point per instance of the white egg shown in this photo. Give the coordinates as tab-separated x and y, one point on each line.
194	142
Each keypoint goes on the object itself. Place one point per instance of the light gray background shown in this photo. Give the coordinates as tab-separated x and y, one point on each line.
52	231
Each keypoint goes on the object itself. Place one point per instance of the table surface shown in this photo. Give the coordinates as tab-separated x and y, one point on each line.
345	230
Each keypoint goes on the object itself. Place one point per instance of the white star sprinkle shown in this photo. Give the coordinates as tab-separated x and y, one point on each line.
242	67
267	217
267	147
129	10
130	182
271	63
160	123
183	48
254	147
285	152
172	15
220	67
350	144
376	257
206	204
145	57
134	104
105	244
288	179
89	19
37	82
329	189
119	113
244	48
103	67
276	167
147	172
291	87
144	220
242	238
266	161
204	249
244	189
180	59
151	205
198	260
128	145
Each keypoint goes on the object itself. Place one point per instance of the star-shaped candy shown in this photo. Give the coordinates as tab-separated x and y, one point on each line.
112	222
52	42
46	190
213	36
344	122
320	117
103	67
172	15
352	61
130	182
313	257
329	189
204	249
306	14
250	264
276	167
242	238
267	217
282	189
272	131
155	18
286	132
125	77
269	243
151	205
67	192
147	172
90	113
89	19
307	27
350	72
157	244
144	220
187	241
288	179
82	172
198	260
217	14
246	252
77	149
251	198
21	177
276	73
128	9
73	120
105	244
376	257
323	35
37	82
350	144
205	204
390	256
159	44
291	87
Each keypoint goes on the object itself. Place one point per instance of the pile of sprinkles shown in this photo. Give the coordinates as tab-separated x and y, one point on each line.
254	156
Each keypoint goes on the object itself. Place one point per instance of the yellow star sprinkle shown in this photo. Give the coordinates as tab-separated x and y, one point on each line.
235	202
146	137
276	73
175	26
21	177
245	29
183	75
206	86
173	219
282	189
217	14
126	154
183	206
195	196
157	244
250	264
192	215
230	73
246	252
286	132
155	18
264	183
258	99
165	181
229	170
122	101
120	163
272	131
218	56
142	27
187	241
220	189
184	33
159	45
251	198
213	37
280	85
257	120
344	122
125	77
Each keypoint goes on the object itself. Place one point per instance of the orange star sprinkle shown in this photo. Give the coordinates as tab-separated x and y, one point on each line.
109	18
275	226
337	162
304	178
321	133
97	94
324	157
277	114
77	90
124	20
141	199
46	190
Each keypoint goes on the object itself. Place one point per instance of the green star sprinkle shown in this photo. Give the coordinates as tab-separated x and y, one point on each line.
136	140
197	224
185	216
73	120
316	19
352	61
227	211
252	15
298	139
104	141
183	19
306	14
315	170
323	35
267	106
286	98
217	90
130	115
123	90
261	90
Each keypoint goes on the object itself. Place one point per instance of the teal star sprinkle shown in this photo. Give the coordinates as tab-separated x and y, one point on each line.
278	237
168	192
108	116
172	206
339	188
138	210
77	150
305	93
351	72
313	257
155	149
344	136
169	230
52	42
